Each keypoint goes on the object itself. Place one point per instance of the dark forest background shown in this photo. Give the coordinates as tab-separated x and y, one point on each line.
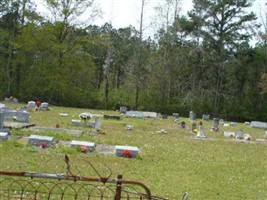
203	61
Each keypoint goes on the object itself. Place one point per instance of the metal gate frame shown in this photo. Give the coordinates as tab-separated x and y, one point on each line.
46	186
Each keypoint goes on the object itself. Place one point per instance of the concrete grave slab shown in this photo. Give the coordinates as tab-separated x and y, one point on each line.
120	150
112	117
258	124
134	114
3	136
150	114
89	145
39	140
76	133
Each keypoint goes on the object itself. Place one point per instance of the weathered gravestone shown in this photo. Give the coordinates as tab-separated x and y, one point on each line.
258	124
135	114
150	114
112	117
215	124
205	117
123	109
31	105
2	118
23	117
126	151
175	115
192	115
38	140
44	106
87	146
97	125
239	134
10	114
3	136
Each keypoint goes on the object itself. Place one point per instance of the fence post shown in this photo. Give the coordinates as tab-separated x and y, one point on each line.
118	189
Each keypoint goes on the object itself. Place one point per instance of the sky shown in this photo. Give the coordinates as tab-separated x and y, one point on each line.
123	13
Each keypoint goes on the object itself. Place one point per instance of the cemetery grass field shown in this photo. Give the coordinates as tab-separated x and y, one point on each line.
170	164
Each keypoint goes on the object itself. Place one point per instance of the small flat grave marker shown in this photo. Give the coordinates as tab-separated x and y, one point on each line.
150	114
135	114
112	117
258	124
3	136
90	146
39	140
126	151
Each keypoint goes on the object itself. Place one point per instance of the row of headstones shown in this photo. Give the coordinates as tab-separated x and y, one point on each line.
7	113
33	105
47	141
11	99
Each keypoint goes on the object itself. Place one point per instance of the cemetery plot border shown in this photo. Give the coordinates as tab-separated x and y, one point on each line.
27	185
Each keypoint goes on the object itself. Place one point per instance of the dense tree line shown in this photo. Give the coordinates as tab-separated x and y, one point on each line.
202	61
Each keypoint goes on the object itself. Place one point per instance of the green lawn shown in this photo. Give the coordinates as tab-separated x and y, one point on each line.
169	164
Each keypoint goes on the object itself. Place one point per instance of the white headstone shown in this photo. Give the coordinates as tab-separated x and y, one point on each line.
120	150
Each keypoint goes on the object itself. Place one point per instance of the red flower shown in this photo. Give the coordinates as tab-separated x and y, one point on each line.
43	145
127	154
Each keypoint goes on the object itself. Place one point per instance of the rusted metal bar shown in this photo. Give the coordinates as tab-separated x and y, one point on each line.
118	188
79	178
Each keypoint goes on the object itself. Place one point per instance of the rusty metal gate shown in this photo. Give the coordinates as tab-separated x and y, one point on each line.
68	186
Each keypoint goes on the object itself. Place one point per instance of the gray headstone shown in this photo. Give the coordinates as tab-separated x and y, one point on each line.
97	125
175	115
192	115
2	118
205	117
150	114
123	109
23	117
135	114
38	140
90	146
215	124
258	124
239	134
121	149
10	114
31	105
44	106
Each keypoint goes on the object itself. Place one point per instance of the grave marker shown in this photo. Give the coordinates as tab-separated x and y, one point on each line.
3	136
175	115
192	116
38	140
23	117
150	114
2	118
124	151
258	124
134	114
215	124
90	146
123	109
44	106
205	117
